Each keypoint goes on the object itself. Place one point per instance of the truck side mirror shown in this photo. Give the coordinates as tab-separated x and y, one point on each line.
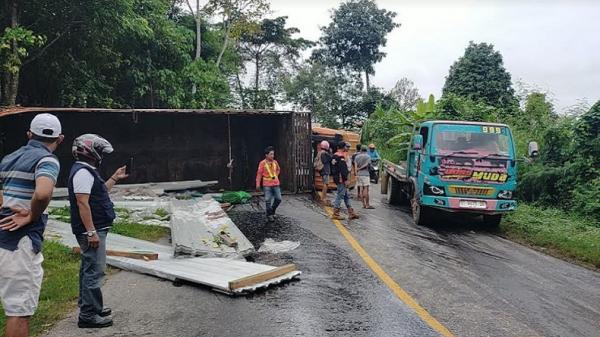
417	142
533	150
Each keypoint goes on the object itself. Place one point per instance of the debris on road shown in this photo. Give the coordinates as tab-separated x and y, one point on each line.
202	228
229	276
276	247
146	256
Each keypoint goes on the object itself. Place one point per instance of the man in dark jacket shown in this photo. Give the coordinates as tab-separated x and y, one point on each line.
340	174
92	215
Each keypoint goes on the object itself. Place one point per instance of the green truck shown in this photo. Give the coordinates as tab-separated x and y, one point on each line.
457	167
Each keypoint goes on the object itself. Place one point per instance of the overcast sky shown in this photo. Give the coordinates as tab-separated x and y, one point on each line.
553	45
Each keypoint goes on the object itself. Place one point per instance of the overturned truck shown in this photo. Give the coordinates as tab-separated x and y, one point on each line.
181	144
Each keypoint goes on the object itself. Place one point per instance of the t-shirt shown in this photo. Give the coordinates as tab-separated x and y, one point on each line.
83	180
362	159
18	173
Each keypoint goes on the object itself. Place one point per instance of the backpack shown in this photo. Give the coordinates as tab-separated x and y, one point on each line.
318	164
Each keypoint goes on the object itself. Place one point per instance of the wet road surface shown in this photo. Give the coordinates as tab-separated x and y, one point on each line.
472	281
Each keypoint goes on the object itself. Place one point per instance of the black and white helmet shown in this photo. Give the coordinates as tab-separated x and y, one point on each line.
91	146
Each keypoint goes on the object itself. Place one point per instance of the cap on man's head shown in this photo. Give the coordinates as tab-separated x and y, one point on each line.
363	148
45	125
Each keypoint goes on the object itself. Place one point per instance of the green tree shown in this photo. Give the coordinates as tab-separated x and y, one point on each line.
238	17
405	94
332	95
588	134
480	76
353	39
271	49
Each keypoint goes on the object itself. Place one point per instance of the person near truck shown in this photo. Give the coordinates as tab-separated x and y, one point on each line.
373	153
358	187
341	175
27	179
325	157
362	163
92	215
267	176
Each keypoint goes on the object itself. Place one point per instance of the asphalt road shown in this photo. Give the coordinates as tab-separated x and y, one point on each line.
473	282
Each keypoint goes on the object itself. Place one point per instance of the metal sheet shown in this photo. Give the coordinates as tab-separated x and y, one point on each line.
157	187
212	272
195	229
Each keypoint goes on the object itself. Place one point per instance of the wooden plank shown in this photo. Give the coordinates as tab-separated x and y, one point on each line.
261	277
146	256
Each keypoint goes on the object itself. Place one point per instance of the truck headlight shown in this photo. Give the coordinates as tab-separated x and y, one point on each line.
505	195
434	190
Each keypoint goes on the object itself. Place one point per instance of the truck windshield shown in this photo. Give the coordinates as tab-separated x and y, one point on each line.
475	140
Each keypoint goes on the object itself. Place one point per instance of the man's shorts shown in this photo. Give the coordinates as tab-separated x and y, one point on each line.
21	276
363	181
325	179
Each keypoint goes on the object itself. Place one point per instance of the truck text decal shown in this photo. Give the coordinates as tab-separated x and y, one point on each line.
473	169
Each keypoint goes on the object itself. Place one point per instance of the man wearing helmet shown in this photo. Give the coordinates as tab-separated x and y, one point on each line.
92	215
27	179
373	153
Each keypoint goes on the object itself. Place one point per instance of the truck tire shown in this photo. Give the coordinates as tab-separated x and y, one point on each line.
422	215
394	194
492	221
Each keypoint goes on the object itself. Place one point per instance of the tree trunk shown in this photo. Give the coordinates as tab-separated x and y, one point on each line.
367	79
225	42
256	80
198	38
240	89
10	80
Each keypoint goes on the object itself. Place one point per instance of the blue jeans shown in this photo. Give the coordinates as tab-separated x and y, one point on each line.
91	275
272	198
342	194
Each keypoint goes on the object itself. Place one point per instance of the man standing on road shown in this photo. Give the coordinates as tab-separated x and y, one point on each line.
27	179
267	176
361	164
340	174
325	157
92	215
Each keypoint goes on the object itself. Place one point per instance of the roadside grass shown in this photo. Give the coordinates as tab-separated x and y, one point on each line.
561	234
139	231
60	287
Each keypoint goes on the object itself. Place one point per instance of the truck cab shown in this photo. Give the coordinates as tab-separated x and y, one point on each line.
457	166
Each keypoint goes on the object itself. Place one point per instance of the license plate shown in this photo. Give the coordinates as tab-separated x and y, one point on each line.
472	204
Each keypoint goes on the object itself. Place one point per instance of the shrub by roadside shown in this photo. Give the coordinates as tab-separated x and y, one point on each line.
562	234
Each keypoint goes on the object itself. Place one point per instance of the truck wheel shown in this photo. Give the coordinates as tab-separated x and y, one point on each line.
492	221
394	195
421	214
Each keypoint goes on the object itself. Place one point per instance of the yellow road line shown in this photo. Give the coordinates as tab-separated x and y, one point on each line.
387	279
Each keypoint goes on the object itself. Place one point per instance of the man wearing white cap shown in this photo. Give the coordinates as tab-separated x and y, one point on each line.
27	179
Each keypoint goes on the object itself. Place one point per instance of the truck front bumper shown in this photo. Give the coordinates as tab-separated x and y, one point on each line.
470	205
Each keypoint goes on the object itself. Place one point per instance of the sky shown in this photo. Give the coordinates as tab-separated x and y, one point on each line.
550	45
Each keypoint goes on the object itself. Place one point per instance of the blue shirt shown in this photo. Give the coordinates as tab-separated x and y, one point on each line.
18	172
374	154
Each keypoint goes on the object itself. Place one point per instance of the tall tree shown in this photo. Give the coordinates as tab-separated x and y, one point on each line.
272	44
331	94
238	17
15	44
479	75
353	39
198	19
405	94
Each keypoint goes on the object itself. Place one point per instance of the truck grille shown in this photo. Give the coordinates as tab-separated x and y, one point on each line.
470	190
